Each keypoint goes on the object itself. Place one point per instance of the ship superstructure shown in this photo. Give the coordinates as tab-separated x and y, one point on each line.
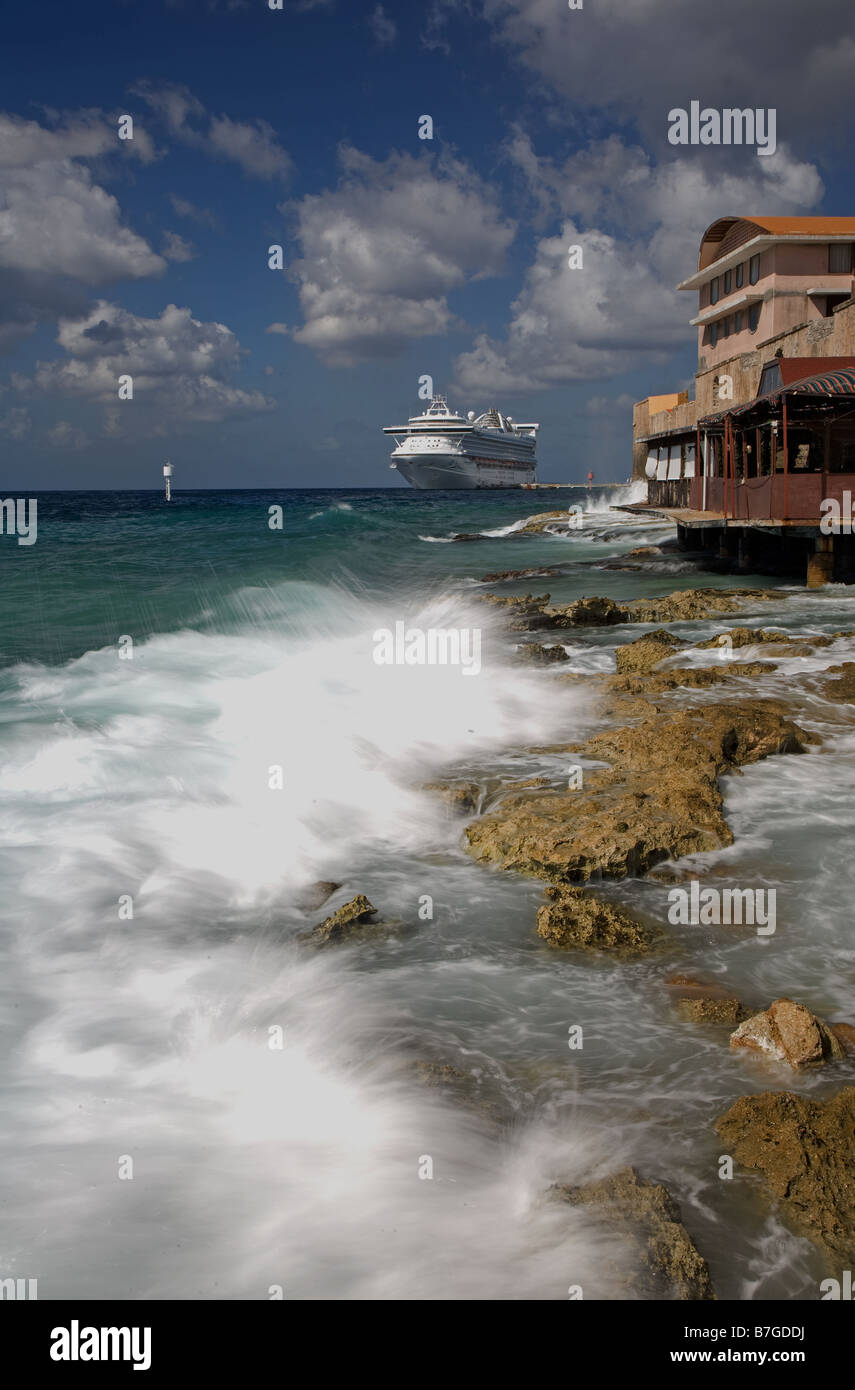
441	449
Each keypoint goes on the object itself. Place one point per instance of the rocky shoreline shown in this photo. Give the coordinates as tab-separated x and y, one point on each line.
646	792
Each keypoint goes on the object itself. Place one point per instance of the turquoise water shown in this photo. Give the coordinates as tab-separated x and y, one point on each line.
147	781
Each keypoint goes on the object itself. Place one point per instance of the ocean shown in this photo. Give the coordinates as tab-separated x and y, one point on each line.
200	1105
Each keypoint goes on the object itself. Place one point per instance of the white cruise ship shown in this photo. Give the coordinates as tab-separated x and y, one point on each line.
440	449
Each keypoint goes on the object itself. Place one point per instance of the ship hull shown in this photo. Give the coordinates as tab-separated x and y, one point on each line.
454	471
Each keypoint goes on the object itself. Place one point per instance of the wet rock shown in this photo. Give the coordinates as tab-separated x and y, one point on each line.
843	687
530	612
788	1032
646	652
805	1151
845	1035
314	895
536	525
697	1002
645	550
573	918
540	654
687	677
541	572
672	1267
460	797
710	1009
345	921
659	800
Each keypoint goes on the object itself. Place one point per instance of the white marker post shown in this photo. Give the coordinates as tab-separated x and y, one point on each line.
167	474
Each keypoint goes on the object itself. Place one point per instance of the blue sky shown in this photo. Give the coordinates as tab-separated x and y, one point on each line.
255	127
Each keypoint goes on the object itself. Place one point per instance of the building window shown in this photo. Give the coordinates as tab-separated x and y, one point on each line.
754	269
740	275
725	328
728	281
714	291
713	334
754	317
840	259
737	323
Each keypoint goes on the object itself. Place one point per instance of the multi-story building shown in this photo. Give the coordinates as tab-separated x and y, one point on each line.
775	313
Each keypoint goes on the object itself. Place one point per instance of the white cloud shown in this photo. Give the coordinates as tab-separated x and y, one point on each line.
183	207
639	225
278	328
73	135
639	58
382	251
253	145
182	369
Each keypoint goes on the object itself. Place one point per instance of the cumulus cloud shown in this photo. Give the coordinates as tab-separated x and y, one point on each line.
253	145
639	225
182	369
72	135
641	59
64	435
60	232
383	250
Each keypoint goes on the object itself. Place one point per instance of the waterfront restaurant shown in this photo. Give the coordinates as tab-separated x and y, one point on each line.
770	436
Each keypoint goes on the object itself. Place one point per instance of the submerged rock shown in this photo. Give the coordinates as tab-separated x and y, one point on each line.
345	921
659	800
540	654
459	797
574	918
805	1151
315	895
843	687
788	1032
673	1268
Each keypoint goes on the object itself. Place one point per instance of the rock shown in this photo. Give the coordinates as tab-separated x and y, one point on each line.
529	612
659	800
805	1151
843	688
573	918
538	572
460	797
672	1266
538	654
645	550
646	652
536	525
315	895
845	1035
687	677
710	1009
344	922
788	1032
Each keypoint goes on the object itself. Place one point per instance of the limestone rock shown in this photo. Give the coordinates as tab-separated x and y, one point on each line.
646	652
673	1268
660	798
572	917
788	1032
345	921
540	654
461	798
845	1035
805	1151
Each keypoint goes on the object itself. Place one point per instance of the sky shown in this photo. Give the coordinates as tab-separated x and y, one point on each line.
255	126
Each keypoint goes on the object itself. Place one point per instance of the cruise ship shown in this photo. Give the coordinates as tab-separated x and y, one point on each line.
440	449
